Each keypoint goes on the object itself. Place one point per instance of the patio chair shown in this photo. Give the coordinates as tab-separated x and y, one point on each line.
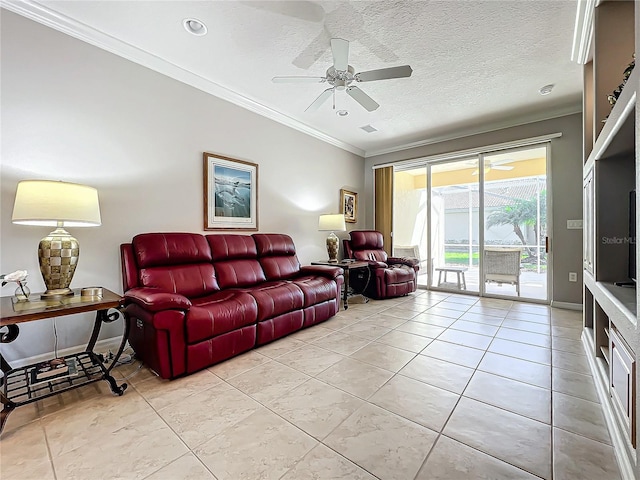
404	251
502	265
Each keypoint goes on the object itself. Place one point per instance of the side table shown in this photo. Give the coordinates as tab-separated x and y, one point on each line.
347	267
17	387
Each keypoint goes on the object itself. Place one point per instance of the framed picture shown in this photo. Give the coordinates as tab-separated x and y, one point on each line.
230	193
349	205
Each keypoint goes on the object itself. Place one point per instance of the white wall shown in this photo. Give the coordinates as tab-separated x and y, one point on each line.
566	192
73	112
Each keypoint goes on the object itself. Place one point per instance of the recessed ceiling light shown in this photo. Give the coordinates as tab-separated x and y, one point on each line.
546	90
194	27
369	128
342	113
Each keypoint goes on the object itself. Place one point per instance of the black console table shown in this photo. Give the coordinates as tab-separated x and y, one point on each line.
347	266
17	387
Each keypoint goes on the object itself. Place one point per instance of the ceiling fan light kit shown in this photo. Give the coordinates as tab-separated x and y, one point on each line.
341	75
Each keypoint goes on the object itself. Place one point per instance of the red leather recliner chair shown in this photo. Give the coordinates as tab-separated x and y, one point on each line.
389	276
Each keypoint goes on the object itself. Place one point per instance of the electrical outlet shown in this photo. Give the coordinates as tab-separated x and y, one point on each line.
573	277
574	224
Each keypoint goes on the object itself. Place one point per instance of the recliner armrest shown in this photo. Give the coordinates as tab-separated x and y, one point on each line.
410	262
374	264
156	300
325	271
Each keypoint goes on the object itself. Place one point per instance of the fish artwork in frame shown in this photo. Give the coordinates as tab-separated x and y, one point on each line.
230	193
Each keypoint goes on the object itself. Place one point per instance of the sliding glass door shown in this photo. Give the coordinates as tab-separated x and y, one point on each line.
455	242
477	224
410	218
515	223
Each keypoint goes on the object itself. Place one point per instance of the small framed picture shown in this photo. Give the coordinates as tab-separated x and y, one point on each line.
349	205
230	193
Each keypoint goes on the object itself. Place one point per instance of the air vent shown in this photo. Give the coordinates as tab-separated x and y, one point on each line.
369	128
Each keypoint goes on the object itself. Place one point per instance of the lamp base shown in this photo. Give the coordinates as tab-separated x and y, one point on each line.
58	255
332	247
56	293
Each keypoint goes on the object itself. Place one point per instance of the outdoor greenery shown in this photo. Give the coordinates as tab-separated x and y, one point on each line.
520	214
460	258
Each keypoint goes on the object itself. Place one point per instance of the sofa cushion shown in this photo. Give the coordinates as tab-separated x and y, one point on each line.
276	298
370	255
366	240
235	260
175	262
162	249
277	255
316	289
188	280
220	313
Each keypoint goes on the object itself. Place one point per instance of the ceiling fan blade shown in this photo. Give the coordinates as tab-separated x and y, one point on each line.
362	98
340	50
319	101
384	74
500	167
294	79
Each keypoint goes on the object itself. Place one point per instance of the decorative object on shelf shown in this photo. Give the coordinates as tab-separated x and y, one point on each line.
53	369
48	203
334	222
230	193
349	205
613	97
20	277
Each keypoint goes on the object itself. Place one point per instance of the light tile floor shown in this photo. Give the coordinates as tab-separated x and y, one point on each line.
429	386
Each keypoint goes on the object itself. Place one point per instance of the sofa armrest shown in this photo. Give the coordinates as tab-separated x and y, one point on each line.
325	271
410	262
156	300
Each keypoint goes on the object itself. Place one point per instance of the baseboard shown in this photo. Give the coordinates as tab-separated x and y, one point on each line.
567	305
618	437
102	346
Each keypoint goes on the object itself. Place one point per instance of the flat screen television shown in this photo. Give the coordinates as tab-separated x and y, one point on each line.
632	235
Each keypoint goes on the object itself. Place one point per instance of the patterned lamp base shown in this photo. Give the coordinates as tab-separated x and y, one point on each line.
58	254
332	247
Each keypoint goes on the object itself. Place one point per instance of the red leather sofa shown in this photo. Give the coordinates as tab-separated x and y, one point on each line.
194	300
389	276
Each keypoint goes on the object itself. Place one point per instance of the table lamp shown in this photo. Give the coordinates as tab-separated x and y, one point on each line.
332	223
56	204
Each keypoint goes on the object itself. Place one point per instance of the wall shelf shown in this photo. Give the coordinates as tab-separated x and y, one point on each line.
611	153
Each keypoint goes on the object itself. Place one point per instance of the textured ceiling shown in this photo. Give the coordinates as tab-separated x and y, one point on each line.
477	65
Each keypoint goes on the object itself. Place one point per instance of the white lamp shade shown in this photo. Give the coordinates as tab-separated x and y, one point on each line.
332	223
46	203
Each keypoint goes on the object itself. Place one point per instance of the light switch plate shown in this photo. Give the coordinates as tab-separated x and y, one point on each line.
574	224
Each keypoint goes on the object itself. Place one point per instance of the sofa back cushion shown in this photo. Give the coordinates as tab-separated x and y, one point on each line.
367	245
175	262
277	255
235	260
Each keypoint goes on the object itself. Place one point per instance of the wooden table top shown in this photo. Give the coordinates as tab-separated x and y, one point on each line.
342	264
14	311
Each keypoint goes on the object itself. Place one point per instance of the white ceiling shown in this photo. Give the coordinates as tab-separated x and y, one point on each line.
477	64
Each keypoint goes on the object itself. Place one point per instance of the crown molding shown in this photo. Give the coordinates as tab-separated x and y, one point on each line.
45	16
583	31
492	127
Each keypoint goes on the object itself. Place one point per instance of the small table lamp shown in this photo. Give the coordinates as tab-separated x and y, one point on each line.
332	223
56	204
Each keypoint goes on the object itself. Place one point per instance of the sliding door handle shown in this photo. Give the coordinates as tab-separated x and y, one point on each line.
547	244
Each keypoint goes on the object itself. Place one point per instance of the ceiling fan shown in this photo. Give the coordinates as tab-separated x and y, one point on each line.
341	75
489	165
